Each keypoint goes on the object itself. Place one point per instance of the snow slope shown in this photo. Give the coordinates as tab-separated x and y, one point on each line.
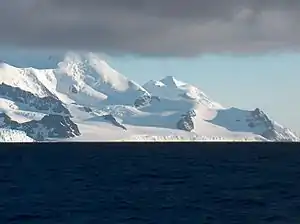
170	88
93	80
101	104
96	80
8	135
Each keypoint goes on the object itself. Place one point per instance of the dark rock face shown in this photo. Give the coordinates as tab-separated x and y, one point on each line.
145	100
114	121
261	117
5	121
51	126
142	101
74	89
191	113
49	103
87	109
273	132
58	126
258	117
186	123
270	134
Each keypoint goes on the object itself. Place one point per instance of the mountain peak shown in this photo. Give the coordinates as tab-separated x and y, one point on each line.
172	81
155	83
91	66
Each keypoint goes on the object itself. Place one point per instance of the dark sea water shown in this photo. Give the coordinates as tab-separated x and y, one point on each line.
149	186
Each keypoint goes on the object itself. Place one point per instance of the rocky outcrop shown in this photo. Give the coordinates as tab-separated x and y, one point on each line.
86	109
142	101
50	126
272	131
186	122
49	104
114	121
6	121
145	100
261	116
74	89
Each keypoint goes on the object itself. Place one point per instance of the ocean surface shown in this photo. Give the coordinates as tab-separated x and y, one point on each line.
149	186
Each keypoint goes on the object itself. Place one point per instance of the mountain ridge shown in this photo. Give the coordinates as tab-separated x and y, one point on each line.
96	97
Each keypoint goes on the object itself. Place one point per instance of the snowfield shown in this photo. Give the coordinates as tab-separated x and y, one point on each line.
7	135
90	101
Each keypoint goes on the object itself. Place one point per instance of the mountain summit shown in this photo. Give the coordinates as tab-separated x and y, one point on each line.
171	81
81	97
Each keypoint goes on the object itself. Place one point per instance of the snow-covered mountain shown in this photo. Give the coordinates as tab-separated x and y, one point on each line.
83	99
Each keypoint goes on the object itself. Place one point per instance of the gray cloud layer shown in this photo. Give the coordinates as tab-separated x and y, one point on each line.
153	27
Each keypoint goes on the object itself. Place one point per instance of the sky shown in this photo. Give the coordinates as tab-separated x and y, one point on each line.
240	52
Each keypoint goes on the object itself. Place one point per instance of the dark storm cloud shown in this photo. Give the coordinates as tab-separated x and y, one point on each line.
153	27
